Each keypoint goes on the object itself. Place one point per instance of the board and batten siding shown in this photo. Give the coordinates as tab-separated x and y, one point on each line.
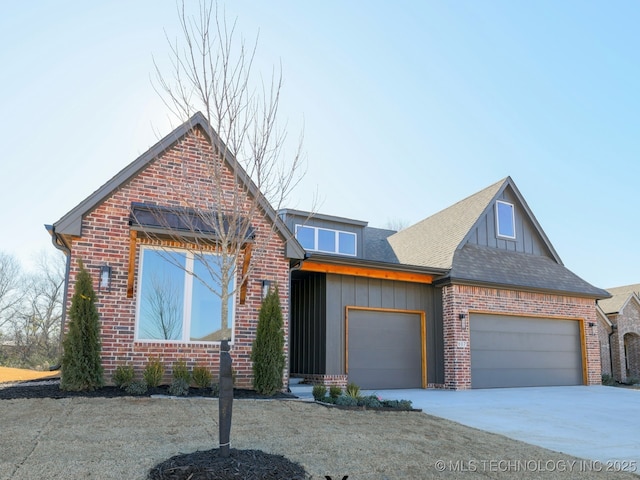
527	238
308	323
343	291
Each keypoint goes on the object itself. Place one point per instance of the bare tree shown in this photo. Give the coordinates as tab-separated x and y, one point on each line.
36	323
396	224
10	292
163	306
212	73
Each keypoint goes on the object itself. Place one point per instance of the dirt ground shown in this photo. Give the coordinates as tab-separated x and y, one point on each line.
117	438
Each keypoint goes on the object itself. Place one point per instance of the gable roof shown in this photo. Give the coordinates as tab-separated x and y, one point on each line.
71	223
619	298
433	241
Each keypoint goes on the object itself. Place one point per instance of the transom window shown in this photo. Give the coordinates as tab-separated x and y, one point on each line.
173	302
505	220
326	240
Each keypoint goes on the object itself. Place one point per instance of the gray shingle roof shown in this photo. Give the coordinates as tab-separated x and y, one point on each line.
619	296
377	247
474	263
433	241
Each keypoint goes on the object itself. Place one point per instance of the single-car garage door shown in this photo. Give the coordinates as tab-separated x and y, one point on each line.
509	351
385	348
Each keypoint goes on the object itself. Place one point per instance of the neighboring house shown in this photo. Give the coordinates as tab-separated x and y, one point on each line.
619	329
472	297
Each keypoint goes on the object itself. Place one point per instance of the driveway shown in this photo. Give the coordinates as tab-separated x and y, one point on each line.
596	423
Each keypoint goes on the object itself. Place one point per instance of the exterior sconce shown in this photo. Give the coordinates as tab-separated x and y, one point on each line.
463	320
105	278
266	286
592	324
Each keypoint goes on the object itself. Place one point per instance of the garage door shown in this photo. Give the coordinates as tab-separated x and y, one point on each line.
384	349
524	352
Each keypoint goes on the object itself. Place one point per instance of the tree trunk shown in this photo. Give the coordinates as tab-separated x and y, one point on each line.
225	401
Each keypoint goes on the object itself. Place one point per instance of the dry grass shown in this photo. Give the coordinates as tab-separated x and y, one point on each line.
20	375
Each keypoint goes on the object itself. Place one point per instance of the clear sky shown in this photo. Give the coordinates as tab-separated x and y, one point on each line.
408	107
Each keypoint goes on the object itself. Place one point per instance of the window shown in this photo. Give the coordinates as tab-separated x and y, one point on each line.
326	240
174	304
505	220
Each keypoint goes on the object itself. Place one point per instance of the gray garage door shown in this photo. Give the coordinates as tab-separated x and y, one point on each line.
524	352
384	349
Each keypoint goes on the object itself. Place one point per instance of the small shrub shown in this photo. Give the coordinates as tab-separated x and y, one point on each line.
180	371
405	405
215	389
137	387
633	380
330	400
352	390
335	391
608	380
153	372
319	392
347	401
370	401
123	376
202	377
179	387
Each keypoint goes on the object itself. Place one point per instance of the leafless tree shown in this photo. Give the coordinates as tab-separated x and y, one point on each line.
10	292
212	72
163	305
36	323
396	224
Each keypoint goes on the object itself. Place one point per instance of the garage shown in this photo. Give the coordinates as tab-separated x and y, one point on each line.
385	348
511	351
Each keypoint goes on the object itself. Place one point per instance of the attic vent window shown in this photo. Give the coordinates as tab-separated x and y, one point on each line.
505	220
326	240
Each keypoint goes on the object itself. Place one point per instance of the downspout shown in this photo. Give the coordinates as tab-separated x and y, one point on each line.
60	245
613	330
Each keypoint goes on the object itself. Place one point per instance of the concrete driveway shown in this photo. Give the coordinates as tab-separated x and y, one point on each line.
595	423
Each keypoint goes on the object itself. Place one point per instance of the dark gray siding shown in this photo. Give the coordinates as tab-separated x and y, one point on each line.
343	291
527	239
308	323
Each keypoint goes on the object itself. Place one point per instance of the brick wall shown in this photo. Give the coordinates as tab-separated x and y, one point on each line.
461	299
626	361
177	178
604	329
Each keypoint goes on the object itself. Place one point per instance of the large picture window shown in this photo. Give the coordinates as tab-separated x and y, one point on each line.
326	240
173	302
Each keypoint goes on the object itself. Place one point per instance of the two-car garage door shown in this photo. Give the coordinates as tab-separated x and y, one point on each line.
509	351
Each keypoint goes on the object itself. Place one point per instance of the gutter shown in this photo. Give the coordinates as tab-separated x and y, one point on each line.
60	245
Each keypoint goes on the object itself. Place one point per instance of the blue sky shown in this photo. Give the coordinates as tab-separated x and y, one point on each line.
407	108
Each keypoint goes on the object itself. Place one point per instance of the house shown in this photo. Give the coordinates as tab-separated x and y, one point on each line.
125	234
474	296
619	330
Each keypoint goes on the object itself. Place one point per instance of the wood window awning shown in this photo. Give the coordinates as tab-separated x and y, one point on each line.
366	271
187	228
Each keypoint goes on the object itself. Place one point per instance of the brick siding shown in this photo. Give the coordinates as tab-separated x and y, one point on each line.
462	299
626	362
178	177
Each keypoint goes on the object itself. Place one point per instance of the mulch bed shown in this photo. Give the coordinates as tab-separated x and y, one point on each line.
51	389
241	464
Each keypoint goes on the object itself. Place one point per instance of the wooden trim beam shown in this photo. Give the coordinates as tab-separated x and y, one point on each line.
369	272
245	268
133	235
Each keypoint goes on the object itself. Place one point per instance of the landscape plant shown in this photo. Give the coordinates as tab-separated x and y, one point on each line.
201	376
267	354
153	372
180	371
123	376
352	390
335	391
319	392
81	365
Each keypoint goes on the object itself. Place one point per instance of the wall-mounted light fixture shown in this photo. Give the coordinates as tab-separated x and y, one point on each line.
105	278
266	286
592	324
463	320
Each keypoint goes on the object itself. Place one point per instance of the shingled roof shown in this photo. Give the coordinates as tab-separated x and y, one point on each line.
619	297
433	241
